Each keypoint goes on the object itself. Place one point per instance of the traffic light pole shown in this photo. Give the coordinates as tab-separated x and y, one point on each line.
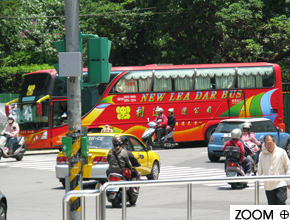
74	107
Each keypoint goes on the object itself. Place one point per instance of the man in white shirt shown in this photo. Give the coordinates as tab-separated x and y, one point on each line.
274	161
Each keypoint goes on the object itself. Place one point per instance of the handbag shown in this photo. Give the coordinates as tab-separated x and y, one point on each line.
126	172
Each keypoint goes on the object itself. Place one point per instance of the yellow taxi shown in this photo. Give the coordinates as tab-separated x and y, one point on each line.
99	147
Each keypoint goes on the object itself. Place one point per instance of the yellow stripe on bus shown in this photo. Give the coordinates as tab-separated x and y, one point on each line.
90	118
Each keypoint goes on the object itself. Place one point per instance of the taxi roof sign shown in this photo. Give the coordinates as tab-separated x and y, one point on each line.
107	129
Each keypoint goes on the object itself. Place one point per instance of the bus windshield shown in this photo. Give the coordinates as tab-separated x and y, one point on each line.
35	86
28	119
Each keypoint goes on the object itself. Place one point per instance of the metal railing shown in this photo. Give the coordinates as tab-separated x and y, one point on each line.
101	194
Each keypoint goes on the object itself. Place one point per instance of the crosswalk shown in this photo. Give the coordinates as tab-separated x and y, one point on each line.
173	172
47	163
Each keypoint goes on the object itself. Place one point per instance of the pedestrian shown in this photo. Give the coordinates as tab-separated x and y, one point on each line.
274	161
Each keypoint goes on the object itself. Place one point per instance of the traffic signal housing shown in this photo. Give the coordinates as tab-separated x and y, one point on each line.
99	68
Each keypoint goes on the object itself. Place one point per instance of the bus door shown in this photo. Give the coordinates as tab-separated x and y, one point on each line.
237	105
58	121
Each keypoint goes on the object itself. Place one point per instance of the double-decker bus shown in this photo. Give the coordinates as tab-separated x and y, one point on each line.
201	95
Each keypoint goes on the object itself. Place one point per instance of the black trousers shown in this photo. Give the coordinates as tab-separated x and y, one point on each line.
277	196
159	132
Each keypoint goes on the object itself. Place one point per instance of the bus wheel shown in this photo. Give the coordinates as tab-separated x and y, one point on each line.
208	133
287	148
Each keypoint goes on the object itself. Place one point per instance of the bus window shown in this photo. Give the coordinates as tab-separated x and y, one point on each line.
224	78
255	77
173	80
59	86
134	81
90	96
59	113
202	79
162	81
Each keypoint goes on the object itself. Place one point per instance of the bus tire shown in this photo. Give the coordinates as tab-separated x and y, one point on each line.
208	134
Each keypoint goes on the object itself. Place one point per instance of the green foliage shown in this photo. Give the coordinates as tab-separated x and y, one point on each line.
150	31
12	77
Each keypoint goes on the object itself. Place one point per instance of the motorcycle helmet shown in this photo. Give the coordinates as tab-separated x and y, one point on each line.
236	133
247	125
125	140
159	110
11	117
117	141
171	110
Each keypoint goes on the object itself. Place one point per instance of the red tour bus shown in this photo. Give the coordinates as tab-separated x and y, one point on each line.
201	95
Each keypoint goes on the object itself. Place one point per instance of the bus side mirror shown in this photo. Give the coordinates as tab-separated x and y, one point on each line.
7	110
39	108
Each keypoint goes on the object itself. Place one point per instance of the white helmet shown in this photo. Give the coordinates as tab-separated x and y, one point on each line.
11	117
171	110
160	110
247	125
236	133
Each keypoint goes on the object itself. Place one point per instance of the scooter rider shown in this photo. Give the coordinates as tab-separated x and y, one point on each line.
135	163
171	121
249	138
11	127
244	161
161	121
122	155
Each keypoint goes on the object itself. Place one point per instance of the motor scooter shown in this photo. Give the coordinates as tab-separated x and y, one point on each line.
114	195
233	168
18	147
148	136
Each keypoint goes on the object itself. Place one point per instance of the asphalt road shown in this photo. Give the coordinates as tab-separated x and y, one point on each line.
34	193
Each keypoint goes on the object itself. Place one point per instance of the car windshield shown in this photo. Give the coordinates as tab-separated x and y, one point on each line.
227	127
100	142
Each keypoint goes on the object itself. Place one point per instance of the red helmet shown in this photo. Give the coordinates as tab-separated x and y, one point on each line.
117	141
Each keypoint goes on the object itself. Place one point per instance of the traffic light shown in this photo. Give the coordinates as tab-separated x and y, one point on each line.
60	47
99	68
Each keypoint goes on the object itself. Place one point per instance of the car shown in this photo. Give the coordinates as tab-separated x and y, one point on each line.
3	207
99	147
260	126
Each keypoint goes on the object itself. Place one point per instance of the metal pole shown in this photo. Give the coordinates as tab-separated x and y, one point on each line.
74	106
124	201
98	204
257	193
103	205
189	201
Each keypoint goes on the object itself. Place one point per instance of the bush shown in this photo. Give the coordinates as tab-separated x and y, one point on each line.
12	77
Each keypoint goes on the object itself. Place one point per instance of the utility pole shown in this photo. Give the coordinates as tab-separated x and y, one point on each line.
74	104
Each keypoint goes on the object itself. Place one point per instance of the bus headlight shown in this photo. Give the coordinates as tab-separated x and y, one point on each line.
43	136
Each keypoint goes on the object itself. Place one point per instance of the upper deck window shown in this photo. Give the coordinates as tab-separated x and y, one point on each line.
35	86
173	80
251	77
195	79
214	78
134	81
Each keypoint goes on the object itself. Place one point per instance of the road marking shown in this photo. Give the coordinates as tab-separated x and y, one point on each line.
48	162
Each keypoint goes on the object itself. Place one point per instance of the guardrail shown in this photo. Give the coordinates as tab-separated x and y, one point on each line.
101	193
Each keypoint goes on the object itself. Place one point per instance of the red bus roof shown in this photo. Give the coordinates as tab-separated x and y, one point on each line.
170	66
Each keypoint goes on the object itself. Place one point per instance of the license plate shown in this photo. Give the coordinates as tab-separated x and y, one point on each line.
225	139
113	189
112	196
231	173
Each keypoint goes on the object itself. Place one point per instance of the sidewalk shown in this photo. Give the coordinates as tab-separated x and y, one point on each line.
38	152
